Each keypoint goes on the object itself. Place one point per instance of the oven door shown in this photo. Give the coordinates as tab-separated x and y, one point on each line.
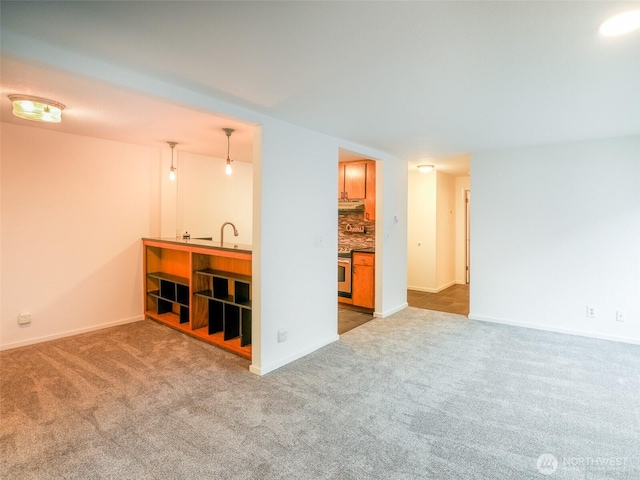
344	277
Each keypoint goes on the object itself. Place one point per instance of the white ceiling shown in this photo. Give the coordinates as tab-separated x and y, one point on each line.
420	80
103	110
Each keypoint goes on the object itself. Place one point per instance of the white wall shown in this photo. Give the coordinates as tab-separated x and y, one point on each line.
391	233
73	212
298	208
556	228
206	198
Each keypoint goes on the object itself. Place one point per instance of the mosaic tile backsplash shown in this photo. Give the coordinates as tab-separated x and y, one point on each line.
355	239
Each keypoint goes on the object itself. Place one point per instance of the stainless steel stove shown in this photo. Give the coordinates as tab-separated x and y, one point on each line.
344	272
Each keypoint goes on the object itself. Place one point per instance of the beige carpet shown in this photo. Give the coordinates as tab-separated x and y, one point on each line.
416	396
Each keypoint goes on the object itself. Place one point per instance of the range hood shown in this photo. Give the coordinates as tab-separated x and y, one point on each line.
351	205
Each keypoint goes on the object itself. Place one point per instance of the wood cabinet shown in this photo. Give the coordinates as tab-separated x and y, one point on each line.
352	181
363	280
357	181
370	199
355	176
203	292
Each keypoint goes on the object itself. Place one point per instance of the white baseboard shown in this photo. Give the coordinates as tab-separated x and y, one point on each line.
70	333
281	363
568	331
390	312
431	290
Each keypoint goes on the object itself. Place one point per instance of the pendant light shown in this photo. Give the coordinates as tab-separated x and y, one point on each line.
36	108
228	132
172	170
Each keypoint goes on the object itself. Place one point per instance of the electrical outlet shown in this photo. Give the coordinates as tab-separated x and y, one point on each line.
592	312
24	318
282	335
619	316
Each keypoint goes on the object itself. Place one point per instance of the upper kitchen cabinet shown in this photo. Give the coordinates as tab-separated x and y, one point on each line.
357	181
370	199
353	176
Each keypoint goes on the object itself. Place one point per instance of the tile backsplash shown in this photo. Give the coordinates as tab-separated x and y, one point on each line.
355	239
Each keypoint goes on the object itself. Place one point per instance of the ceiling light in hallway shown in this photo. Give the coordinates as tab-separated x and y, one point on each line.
425	168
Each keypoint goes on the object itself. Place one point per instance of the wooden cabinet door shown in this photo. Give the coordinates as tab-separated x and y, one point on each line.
355	175
363	281
370	201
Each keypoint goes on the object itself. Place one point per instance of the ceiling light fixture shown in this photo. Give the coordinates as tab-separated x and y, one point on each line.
36	108
172	170
425	168
620	24
228	131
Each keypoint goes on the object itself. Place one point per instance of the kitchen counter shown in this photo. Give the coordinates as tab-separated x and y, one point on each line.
208	244
206	247
364	250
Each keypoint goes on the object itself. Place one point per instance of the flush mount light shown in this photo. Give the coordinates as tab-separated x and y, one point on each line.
172	170
425	168
228	132
36	108
620	24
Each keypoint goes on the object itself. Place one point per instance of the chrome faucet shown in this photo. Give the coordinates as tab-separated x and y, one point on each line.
235	232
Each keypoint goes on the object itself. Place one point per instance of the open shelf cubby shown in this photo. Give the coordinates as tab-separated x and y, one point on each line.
228	303
169	294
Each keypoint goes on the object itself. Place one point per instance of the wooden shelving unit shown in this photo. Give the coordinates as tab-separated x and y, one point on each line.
228	298
204	293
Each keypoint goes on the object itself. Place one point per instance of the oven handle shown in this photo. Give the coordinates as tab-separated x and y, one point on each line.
344	261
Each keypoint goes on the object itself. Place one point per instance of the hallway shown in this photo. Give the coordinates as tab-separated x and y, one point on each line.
454	299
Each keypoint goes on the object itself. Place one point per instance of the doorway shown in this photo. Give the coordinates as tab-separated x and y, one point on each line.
356	194
438	237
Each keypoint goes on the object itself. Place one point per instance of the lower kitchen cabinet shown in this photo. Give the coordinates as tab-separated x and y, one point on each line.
363	280
205	293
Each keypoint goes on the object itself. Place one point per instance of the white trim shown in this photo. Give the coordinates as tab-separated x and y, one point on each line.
293	357
567	331
432	290
70	333
391	312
